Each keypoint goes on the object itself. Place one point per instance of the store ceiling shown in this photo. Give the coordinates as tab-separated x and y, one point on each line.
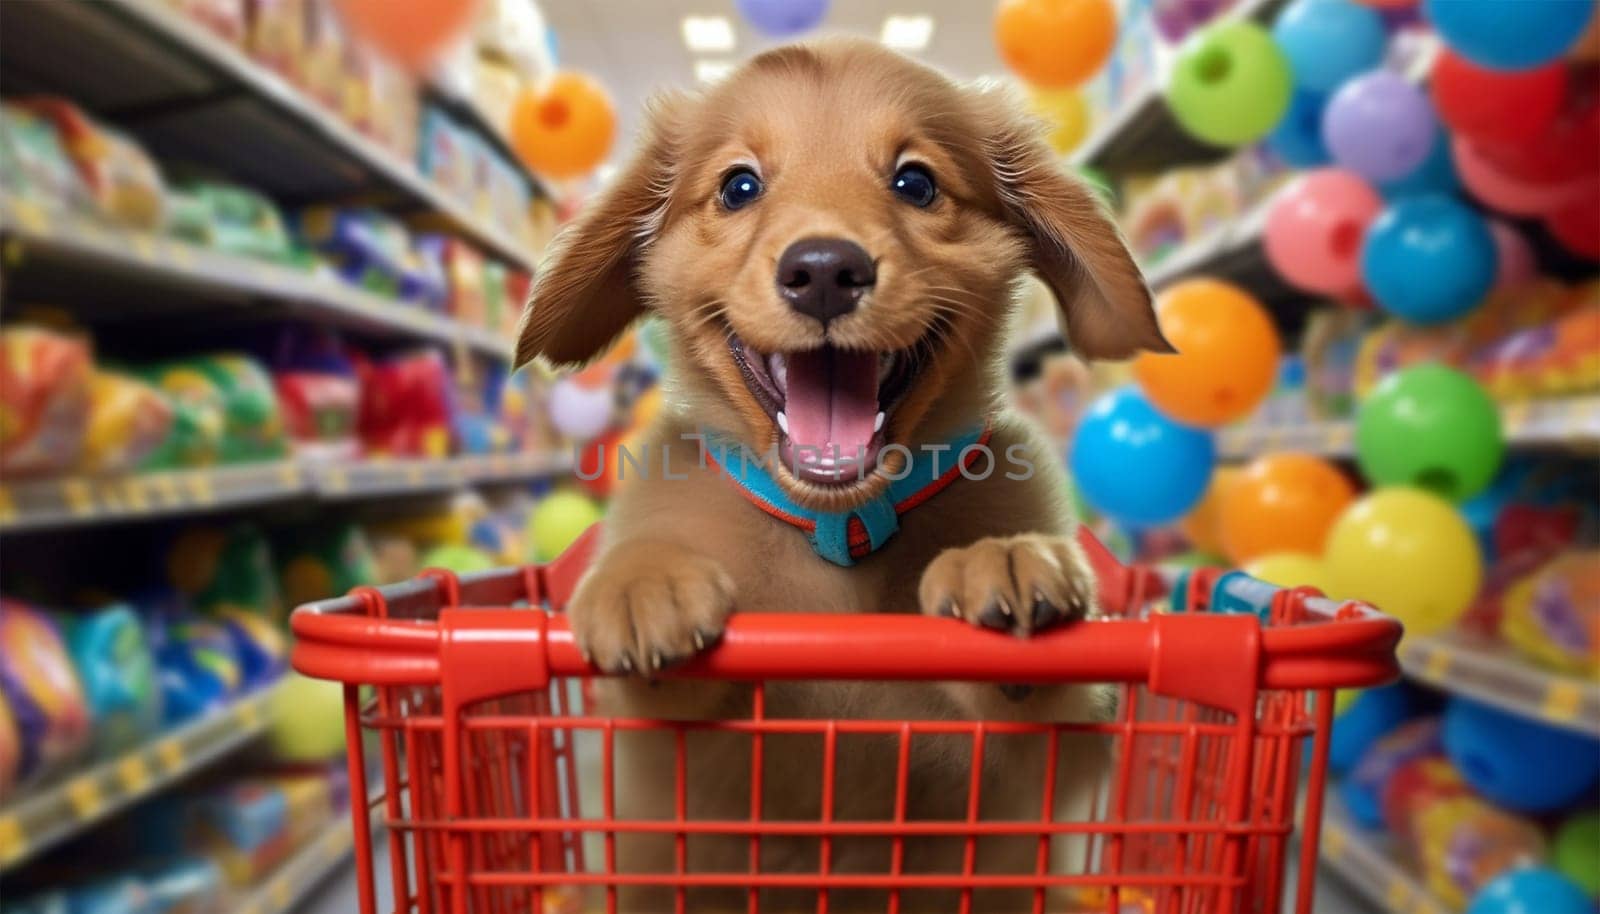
637	47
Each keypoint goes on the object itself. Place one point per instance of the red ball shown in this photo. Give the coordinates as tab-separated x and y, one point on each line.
1497	106
1577	227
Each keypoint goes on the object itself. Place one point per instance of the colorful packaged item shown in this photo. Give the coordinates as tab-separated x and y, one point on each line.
1553	615
44	400
318	393
1363	789
33	164
250	826
199	415
128	422
252	427
229	567
41	688
315	563
231	219
406	408
1463	843
117	671
197	667
123	181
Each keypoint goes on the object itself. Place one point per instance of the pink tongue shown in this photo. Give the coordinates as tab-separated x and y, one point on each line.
832	400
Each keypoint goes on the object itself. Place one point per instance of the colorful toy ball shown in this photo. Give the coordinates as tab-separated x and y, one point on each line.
1576	850
1379	126
459	558
1533	890
1436	174
1067	113
1137	466
410	34
1509	34
557	521
306	720
1496	106
1368	717
1055	44
1175	19
1577	228
1428	259
1407	552
563	129
1329	41
1230	84
1282	503
1226	359
1518	763
1289	569
783	18
1433	427
579	412
1297	139
1203	524
1314	229
1499	187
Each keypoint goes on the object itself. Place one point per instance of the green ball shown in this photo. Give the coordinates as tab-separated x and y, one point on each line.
305	719
1433	427
1230	84
458	558
1577	851
557	521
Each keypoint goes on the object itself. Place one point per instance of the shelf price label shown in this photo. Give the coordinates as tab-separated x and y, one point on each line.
12	842
133	773
1562	701
83	794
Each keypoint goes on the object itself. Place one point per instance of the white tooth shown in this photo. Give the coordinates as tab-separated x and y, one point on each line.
783	422
778	370
877	424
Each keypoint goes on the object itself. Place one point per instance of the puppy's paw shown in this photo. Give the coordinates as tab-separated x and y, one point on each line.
648	605
1020	584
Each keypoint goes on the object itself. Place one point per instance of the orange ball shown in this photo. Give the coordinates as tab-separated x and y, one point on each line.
565	129
412	34
1282	503
1202	526
1227	354
1054	44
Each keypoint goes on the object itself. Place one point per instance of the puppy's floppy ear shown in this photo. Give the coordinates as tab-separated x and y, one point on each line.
1074	246
585	294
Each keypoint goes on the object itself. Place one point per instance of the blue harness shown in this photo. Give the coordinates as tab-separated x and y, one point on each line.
842	537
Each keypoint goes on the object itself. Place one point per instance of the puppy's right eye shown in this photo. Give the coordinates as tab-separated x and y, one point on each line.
740	189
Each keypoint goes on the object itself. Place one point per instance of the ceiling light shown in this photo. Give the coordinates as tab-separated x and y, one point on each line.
709	71
907	33
708	33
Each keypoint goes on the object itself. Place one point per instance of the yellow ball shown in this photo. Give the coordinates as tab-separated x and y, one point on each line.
1407	552
1291	569
1067	112
557	521
306	719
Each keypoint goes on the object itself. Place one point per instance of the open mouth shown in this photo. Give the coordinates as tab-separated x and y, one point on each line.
831	406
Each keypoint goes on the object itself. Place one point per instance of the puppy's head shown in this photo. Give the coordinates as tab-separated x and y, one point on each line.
833	234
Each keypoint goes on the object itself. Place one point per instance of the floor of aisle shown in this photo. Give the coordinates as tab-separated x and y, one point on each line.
338	894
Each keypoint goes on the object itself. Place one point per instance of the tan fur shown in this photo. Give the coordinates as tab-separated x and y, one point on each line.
826	126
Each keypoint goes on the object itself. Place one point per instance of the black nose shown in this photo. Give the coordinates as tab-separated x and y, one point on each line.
825	277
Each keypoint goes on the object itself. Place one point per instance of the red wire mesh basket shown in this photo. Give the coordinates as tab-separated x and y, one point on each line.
502	779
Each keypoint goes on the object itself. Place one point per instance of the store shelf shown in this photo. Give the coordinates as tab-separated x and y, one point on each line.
50	504
192	96
63	256
1465	664
55	503
1568	422
1142	136
300	875
1368	862
43	817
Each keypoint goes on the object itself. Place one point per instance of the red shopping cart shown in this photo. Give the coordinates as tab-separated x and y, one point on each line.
494	803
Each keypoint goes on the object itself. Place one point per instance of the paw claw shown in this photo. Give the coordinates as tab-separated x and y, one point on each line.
1024	583
997	615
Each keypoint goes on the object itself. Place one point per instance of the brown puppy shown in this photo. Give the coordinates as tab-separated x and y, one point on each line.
834	235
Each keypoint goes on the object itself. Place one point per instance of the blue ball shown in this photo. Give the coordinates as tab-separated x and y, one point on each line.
1436	174
1517	763
1329	41
1428	259
1509	34
1373	713
1297	139
1531	891
781	18
1135	465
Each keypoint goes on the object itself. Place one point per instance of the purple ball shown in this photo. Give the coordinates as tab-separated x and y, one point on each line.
1175	19
782	18
1379	126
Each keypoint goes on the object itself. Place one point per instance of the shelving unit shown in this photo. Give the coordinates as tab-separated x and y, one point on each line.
191	96
42	817
1368	863
74	257
1571	422
1493	673
50	504
310	865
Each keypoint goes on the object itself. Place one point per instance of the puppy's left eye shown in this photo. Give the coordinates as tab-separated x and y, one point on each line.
913	184
740	189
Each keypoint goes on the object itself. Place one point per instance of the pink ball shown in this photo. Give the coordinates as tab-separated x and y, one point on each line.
1490	184
1314	230
1514	263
